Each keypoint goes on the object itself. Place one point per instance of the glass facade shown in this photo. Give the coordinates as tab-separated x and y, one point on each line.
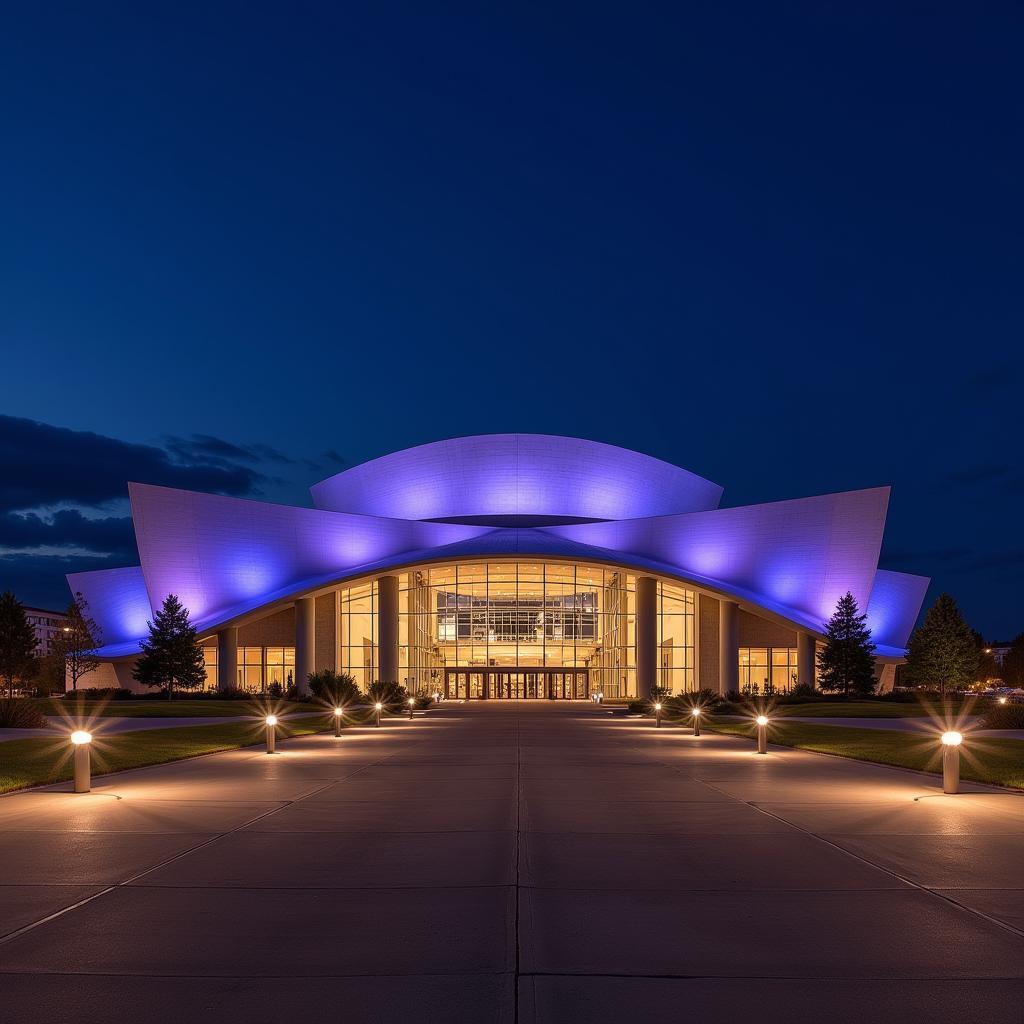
517	615
767	670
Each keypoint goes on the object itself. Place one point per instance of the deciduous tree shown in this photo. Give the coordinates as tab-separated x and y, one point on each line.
77	641
942	651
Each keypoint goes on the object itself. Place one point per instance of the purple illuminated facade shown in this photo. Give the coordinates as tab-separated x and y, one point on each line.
507	565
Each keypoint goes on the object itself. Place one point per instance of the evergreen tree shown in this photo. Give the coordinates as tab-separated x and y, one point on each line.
846	661
988	670
1013	663
942	651
76	643
17	642
171	655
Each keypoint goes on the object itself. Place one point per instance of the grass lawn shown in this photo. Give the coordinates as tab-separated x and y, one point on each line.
183	708
982	760
32	762
856	709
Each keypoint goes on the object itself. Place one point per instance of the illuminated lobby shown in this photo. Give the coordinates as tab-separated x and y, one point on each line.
507	567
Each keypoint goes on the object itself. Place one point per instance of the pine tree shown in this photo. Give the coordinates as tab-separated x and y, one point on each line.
1013	663
17	642
171	655
76	643
942	651
846	661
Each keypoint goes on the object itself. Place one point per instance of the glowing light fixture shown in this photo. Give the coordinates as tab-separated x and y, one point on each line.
379	707
696	720
951	741
1002	700
762	734
412	704
338	712
271	721
657	714
83	767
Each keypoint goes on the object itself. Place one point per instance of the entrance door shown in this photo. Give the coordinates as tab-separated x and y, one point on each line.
476	685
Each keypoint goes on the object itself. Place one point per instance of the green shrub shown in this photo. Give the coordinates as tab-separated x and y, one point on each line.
1003	716
21	713
391	695
335	688
101	693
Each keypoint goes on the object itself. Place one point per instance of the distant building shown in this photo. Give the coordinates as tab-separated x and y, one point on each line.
999	650
47	625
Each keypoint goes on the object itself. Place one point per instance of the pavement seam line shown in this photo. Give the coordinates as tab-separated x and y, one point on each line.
32	925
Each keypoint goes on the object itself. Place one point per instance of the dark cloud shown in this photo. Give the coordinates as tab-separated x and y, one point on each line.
39	580
335	458
111	536
205	449
46	465
979	473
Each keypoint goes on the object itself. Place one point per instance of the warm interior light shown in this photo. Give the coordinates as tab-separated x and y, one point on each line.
271	719
338	712
952	739
80	736
762	719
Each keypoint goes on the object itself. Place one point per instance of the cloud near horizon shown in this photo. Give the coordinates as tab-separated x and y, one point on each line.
63	496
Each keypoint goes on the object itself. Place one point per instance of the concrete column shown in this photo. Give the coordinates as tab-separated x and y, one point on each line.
227	658
728	646
805	656
646	635
305	642
387	628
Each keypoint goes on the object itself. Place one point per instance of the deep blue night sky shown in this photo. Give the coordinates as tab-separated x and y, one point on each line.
241	248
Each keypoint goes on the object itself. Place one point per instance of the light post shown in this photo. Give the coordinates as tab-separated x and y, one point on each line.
271	721
657	714
378	706
951	761
762	734
83	769
696	721
412	704
338	712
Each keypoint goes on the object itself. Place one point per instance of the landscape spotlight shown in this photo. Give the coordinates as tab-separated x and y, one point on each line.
657	714
762	734
271	721
412	704
378	707
81	739
951	761
338	712
696	721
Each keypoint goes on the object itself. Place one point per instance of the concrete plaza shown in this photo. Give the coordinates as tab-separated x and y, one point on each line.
502	862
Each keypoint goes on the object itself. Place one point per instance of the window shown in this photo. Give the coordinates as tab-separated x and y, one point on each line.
767	670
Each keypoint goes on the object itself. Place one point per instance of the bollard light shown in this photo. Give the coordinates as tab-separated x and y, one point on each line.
696	721
378	707
657	714
338	712
762	734
1002	700
271	721
951	761
83	769
412	704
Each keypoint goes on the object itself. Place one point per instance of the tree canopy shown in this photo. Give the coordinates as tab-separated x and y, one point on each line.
1013	663
76	643
846	661
171	655
942	651
17	642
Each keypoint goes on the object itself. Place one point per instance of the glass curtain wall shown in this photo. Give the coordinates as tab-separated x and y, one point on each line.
516	615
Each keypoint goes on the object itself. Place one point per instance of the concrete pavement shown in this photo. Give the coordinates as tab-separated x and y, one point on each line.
502	862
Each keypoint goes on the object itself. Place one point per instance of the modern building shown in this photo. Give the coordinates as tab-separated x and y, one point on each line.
507	566
47	625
